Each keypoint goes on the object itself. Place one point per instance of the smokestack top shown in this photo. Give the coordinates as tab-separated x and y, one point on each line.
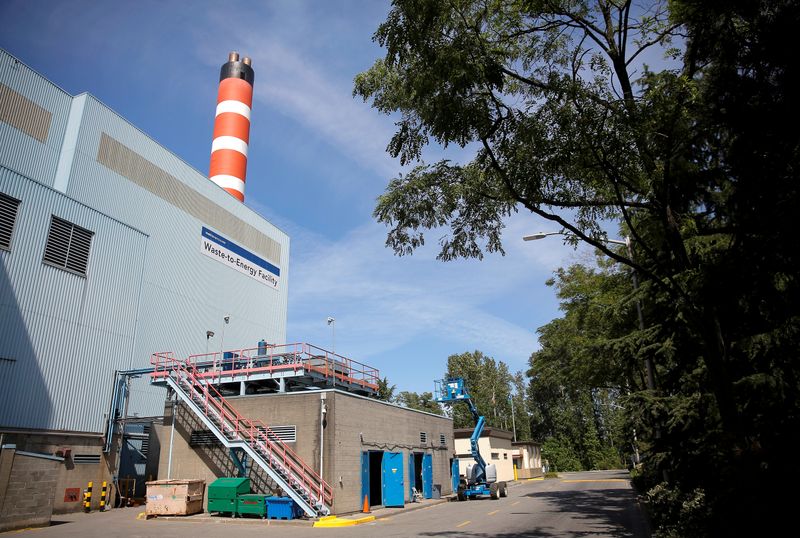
237	68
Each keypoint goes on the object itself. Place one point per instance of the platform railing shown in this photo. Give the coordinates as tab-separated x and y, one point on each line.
282	357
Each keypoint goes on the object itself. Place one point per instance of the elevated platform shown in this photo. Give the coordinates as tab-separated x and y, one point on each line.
275	368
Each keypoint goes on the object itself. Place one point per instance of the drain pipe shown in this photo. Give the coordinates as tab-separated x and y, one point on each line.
323	410
171	438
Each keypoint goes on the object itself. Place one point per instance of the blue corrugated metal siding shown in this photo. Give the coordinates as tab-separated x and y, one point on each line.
19	151
149	286
63	335
185	293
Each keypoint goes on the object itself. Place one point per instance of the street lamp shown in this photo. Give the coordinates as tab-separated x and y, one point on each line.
539	235
513	420
209	336
651	382
332	323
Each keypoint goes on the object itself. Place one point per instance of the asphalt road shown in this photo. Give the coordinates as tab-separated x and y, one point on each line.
578	504
595	504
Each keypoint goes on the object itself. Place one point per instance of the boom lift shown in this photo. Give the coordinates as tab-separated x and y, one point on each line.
481	478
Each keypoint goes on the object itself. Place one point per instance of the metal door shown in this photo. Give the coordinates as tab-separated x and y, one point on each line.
427	476
365	477
392	470
411	476
454	472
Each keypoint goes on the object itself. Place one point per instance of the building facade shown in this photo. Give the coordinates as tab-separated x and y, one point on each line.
111	248
495	447
364	447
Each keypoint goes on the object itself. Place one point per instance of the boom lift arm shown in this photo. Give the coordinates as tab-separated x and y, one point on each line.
478	483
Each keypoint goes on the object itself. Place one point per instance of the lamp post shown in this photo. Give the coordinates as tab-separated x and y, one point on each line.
227	320
209	336
332	323
651	382
513	420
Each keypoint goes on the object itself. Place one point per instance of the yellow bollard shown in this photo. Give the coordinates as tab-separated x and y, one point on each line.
87	498
103	492
515	472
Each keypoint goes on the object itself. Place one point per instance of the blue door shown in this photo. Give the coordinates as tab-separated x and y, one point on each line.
365	478
392	471
454	474
427	476
411	476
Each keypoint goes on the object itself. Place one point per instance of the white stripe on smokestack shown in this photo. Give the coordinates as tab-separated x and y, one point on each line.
228	167
229	182
234	106
229	142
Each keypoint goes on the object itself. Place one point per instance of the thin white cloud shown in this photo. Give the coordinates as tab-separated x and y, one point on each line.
383	302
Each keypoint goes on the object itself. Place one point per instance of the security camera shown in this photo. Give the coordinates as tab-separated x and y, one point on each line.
227	319
209	334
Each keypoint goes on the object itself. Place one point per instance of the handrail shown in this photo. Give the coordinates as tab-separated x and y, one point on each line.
255	433
287	356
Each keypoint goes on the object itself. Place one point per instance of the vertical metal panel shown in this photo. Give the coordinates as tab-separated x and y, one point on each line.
19	150
62	335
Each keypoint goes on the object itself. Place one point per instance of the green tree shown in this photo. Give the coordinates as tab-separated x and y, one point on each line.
521	422
385	390
420	402
697	161
488	382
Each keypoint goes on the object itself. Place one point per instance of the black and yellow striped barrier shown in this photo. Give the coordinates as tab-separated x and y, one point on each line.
103	492
87	498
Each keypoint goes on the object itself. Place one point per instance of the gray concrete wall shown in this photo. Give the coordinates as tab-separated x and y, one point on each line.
363	424
27	487
70	475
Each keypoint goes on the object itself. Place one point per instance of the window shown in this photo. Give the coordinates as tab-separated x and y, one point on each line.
423	438
203	438
495	455
442	439
505	455
68	246
8	217
86	459
145	440
285	434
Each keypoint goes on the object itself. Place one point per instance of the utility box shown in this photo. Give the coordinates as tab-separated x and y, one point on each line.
222	494
252	504
174	497
282	508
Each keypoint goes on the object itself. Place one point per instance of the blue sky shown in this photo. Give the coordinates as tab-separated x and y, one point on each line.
316	165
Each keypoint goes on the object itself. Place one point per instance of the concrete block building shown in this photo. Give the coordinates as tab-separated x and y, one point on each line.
367	448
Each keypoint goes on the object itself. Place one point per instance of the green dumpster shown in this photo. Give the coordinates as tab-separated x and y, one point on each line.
222	494
252	503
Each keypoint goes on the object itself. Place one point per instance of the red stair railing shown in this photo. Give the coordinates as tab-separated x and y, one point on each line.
254	433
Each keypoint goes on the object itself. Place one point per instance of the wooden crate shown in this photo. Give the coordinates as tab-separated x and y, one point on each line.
174	497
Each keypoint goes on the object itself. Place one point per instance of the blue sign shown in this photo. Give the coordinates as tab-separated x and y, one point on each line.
229	253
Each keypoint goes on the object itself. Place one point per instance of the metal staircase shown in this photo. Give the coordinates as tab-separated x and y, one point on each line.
292	474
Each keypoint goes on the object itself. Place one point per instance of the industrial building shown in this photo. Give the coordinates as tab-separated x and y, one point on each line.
111	249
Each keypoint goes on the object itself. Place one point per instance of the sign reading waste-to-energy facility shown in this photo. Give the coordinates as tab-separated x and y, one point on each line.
226	251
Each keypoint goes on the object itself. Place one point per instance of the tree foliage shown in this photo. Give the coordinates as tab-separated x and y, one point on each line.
421	402
385	390
489	382
696	159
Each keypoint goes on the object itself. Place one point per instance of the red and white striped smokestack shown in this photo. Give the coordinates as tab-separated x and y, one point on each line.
232	126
